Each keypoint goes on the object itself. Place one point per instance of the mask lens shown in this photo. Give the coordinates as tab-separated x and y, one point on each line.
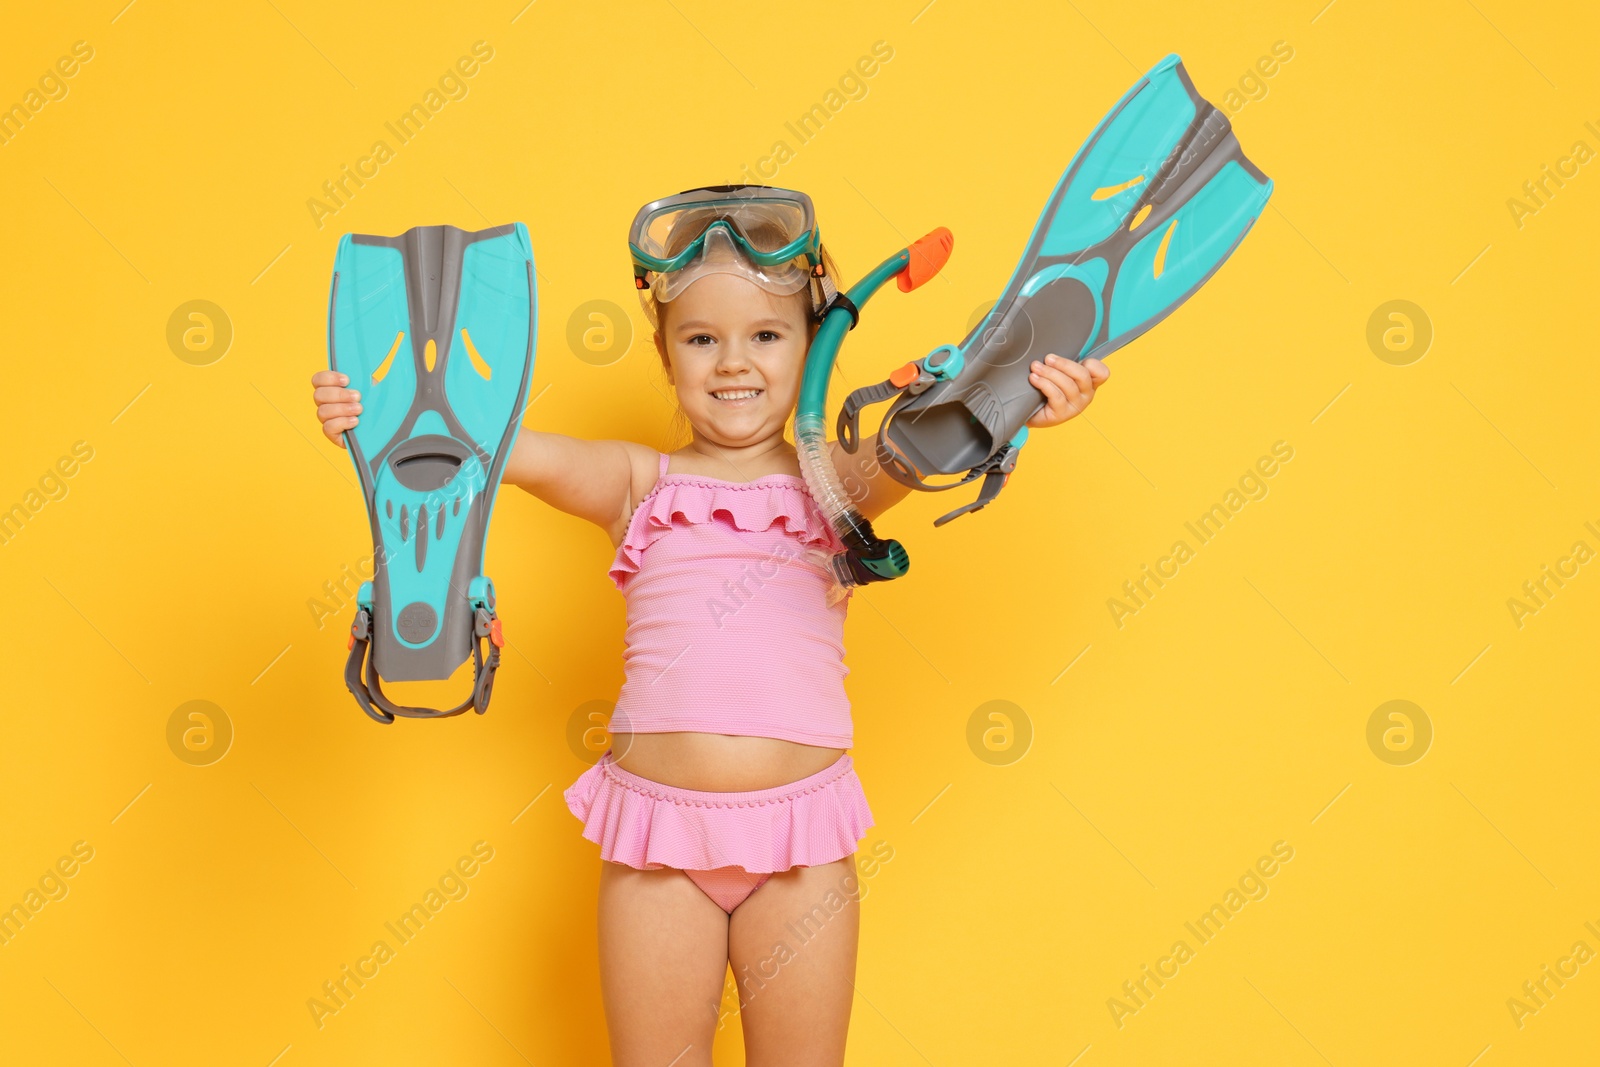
766	224
720	255
724	231
771	225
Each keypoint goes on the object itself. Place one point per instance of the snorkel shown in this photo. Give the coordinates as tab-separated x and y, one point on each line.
867	558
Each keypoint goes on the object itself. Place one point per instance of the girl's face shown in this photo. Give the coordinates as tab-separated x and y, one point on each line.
735	353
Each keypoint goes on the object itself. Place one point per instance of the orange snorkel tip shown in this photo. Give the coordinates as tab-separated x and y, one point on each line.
926	257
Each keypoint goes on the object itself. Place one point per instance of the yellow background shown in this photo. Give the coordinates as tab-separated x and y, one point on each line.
1229	713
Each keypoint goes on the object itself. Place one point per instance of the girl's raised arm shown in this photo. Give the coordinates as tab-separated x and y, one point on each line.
871	490
594	480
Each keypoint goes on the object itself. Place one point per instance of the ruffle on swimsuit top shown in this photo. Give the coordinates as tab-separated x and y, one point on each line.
751	506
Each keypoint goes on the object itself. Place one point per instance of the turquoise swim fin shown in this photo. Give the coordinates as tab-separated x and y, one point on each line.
435	328
1152	204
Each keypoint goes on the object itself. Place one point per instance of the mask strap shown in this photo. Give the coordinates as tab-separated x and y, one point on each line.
825	286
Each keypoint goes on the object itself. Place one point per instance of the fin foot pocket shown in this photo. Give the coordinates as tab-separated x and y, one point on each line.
957	424
424	464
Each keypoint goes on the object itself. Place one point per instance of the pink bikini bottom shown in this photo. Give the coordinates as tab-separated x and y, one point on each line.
729	844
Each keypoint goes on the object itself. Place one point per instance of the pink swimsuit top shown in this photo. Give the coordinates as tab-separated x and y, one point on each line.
729	628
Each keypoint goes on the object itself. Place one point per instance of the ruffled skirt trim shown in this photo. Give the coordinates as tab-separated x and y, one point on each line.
648	825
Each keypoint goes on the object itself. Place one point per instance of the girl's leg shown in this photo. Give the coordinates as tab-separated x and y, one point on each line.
663	958
793	949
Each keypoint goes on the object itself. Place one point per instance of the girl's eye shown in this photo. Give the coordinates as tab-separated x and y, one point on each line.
699	338
766	335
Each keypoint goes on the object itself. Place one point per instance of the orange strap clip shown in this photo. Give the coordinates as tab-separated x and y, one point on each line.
904	376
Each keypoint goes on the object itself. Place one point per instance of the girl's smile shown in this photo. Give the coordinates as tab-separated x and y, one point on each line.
738	397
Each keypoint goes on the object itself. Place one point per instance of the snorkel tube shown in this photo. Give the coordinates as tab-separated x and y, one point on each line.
867	558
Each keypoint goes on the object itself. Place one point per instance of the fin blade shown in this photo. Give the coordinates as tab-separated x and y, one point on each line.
1160	264
1108	180
484	370
1167	267
1107	192
369	334
383	368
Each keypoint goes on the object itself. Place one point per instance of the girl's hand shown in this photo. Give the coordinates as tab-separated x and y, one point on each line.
1068	387
337	407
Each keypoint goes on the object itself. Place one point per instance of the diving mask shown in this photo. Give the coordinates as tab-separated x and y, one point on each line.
766	235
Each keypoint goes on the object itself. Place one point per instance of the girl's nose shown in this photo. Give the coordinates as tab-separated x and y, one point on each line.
732	357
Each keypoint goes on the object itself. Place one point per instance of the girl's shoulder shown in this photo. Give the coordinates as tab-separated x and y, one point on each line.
645	467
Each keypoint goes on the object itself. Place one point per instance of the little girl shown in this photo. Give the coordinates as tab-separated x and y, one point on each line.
727	809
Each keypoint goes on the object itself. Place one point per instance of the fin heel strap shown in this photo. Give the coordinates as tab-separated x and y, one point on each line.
369	692
913	377
995	477
849	425
995	472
